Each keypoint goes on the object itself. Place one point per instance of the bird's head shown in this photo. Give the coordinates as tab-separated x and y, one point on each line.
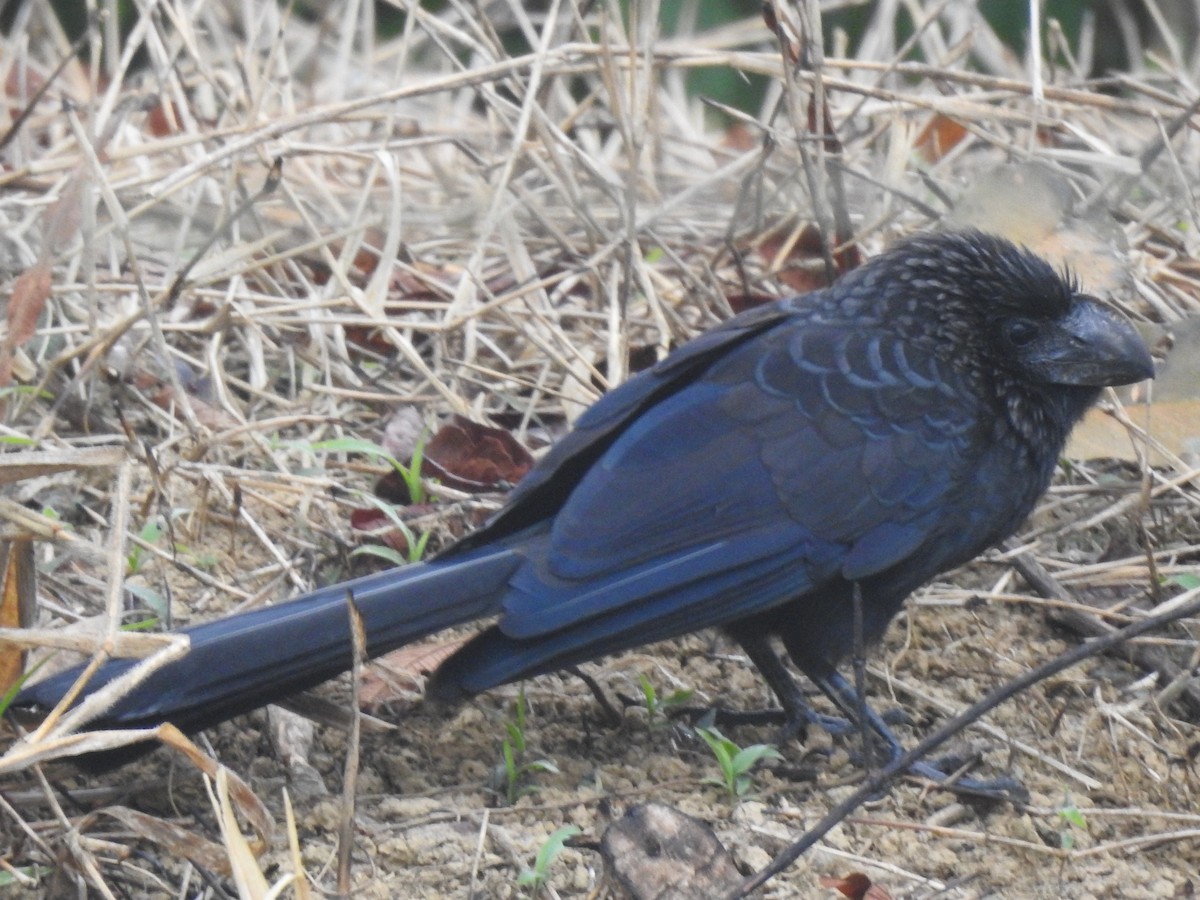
1025	319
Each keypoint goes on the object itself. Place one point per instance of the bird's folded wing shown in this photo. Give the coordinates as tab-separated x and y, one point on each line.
808	453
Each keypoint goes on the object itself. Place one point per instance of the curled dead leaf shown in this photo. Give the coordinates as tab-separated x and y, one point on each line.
474	457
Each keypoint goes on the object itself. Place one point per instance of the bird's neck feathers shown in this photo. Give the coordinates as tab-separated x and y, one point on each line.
1039	418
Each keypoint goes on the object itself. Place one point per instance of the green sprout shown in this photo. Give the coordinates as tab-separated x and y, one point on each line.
149	534
1071	820
414	543
657	709
736	762
410	474
535	878
514	771
11	694
413	483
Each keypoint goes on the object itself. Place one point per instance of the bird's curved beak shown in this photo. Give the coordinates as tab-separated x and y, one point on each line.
1092	346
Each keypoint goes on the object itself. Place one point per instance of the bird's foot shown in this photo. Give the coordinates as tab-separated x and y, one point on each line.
720	717
947	774
944	773
791	725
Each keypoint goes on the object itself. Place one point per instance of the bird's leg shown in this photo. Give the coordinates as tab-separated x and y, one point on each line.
797	714
794	714
612	716
859	664
852	703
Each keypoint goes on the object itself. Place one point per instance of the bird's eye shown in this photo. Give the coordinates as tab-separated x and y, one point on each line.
1020	332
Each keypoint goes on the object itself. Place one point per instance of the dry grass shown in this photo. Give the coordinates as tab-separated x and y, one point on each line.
548	212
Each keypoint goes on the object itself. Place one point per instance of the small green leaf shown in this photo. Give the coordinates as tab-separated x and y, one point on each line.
515	736
1072	816
390	554
735	763
1186	580
152	599
147	624
7	879
350	445
546	855
749	756
648	692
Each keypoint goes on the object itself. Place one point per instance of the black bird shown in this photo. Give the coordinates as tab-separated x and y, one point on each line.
864	437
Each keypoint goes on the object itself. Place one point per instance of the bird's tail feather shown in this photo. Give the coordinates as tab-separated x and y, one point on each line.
257	657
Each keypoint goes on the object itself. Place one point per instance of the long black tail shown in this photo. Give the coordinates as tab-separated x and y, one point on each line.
254	658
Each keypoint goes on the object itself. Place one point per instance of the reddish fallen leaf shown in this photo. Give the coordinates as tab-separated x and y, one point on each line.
742	302
738	136
940	135
856	886
797	257
399	674
393	489
367	519
370	339
29	294
22	83
60	225
163	119
474	457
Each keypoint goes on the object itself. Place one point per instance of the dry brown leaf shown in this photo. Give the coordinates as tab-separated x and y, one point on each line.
796	256
381	681
243	859
174	838
18	604
61	221
30	292
245	799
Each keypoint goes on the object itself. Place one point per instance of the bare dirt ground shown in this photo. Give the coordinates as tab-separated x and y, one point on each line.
559	210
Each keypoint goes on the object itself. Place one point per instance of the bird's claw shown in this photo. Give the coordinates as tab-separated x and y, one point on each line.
942	773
